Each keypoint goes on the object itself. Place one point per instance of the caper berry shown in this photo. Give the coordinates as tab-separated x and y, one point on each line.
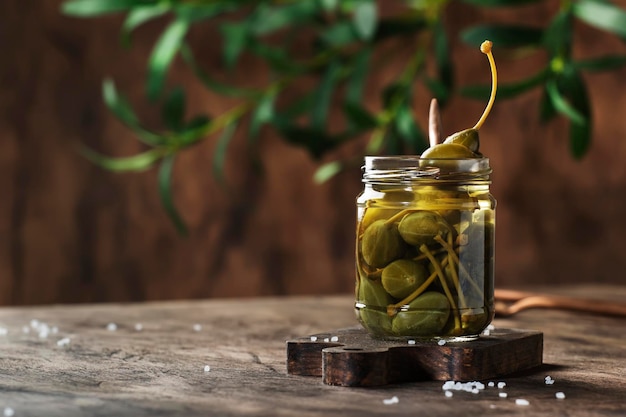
381	244
421	227
448	151
426	316
375	299
403	276
468	138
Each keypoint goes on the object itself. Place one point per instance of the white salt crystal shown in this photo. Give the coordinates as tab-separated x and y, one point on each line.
25	329
34	323
8	411
54	330
486	332
313	338
448	394
491	384
521	401
43	334
501	384
447	385
491	327
548	380
334	339
207	368
411	342
503	394
392	400
139	327
475	390
441	342
197	327
560	396
111	327
326	339
63	342
3	331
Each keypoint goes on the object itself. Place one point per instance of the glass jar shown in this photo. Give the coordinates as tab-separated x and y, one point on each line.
425	248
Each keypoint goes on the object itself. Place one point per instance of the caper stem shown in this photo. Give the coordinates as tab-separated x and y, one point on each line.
392	309
455	276
485	48
442	279
398	216
456	259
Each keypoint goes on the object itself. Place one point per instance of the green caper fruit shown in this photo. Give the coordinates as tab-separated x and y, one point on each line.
448	151
468	138
373	314
381	244
421	227
426	316
403	276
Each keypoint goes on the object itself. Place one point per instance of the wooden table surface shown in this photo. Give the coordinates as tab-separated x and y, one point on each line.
66	361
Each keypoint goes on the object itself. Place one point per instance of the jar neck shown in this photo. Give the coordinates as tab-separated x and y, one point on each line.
410	170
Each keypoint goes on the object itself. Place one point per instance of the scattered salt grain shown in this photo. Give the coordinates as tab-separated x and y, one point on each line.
392	400
26	329
548	380
334	339
3	331
63	342
486	332
326	339
441	342
491	327
503	394
54	330
111	327
139	327
501	385
197	327
474	387
448	394
313	338
34	323
491	384
411	342
8	412
559	396
521	401
207	368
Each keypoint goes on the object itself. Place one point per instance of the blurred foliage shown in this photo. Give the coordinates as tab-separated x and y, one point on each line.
338	44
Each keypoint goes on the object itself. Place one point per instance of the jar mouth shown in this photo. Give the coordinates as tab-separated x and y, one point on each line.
410	168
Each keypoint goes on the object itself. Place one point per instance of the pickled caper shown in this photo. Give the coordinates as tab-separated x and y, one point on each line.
426	316
403	276
421	227
374	299
381	244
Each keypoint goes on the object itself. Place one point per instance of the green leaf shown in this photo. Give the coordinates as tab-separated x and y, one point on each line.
580	138
89	8
162	55
500	3
359	117
122	109
445	68
278	58
439	90
268	19
327	5
365	19
547	111
317	142
580	131
140	15
562	105
605	63
505	91
323	94
174	109
557	37
602	15
504	36
139	162
262	114
235	38
196	12
219	157
165	192
327	171
360	67
339	34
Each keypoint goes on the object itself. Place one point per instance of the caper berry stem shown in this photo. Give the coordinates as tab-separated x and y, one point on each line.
442	278
485	48
398	216
455	276
456	259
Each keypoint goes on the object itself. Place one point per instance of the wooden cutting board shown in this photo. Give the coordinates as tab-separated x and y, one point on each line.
350	357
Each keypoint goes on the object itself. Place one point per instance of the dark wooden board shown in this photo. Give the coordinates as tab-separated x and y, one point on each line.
350	357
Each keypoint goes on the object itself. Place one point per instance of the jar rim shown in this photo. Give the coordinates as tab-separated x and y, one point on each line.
409	168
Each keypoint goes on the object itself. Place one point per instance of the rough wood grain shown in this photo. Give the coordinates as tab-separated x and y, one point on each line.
350	357
159	371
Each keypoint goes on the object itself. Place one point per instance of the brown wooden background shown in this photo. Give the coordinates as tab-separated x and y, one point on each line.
70	232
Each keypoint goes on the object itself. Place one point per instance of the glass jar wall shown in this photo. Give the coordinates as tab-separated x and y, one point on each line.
425	248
